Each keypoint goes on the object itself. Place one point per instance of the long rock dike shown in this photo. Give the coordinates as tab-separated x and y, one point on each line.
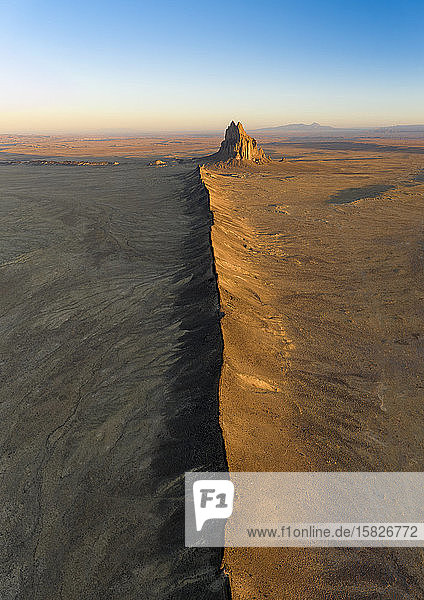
110	353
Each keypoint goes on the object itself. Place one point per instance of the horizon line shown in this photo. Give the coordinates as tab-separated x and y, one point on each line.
134	132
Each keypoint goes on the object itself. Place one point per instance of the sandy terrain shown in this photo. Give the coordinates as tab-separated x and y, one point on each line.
320	269
129	147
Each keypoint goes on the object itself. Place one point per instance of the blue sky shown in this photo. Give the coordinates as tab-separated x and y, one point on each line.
136	65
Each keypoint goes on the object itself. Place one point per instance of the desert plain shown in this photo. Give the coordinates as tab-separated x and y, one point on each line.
287	326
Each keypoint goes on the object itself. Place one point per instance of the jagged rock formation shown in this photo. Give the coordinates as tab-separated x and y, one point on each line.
238	147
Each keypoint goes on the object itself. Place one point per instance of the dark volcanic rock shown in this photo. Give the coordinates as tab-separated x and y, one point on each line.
238	147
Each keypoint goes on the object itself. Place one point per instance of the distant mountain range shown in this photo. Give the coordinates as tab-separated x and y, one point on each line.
401	129
296	127
317	130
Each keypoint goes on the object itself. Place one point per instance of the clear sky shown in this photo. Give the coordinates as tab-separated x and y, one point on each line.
86	65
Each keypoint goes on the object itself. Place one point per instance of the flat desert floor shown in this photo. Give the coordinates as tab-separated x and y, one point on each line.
319	261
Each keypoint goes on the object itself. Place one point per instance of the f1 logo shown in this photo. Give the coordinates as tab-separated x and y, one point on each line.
213	499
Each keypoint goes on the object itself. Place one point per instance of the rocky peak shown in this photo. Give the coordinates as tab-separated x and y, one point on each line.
235	132
239	147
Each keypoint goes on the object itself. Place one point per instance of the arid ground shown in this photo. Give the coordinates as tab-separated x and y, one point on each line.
320	264
320	267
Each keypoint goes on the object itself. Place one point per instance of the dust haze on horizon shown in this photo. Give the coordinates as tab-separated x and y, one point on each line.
208	131
175	67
